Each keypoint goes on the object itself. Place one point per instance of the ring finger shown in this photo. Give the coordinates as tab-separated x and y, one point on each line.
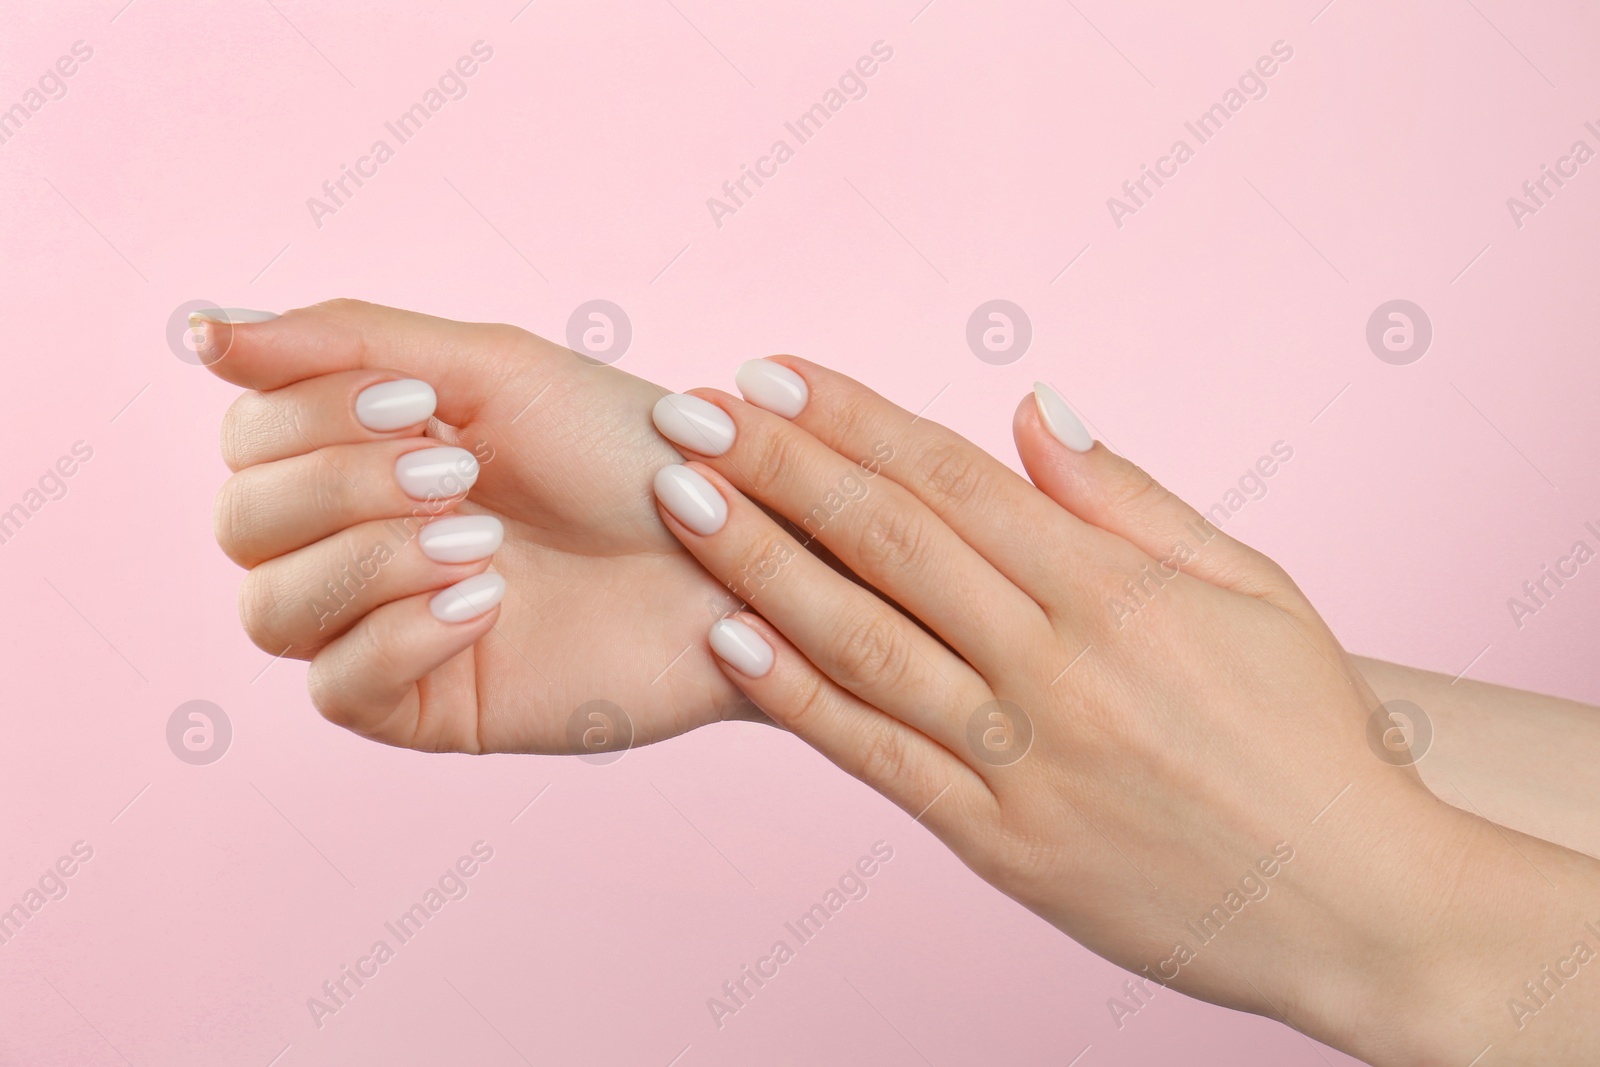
295	604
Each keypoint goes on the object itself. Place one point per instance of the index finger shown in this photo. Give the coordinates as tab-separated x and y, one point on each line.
467	363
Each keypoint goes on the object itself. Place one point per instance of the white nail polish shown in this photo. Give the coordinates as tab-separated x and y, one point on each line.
231	315
435	473
691	499
695	424
395	405
1059	419
772	386
461	538
469	599
741	648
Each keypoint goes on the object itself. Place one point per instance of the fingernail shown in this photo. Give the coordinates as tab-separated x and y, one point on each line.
469	599
691	499
395	405
212	345
231	315
741	648
772	386
695	424
433	473
1059	419
461	538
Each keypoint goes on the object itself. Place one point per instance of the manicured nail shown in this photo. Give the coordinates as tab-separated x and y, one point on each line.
772	386
1059	419
741	648
212	345
469	599
434	473
233	315
395	405
691	499
695	424
461	538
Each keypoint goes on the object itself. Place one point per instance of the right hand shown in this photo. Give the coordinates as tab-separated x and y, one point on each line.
601	603
1130	723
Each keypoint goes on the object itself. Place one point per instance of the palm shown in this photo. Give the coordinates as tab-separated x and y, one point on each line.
602	603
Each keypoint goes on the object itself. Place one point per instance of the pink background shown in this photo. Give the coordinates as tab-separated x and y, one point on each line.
1227	315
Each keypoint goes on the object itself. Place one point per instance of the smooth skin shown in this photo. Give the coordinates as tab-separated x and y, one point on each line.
1181	770
1525	760
601	603
1216	736
582	544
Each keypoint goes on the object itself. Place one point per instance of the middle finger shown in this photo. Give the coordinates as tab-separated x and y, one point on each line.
273	508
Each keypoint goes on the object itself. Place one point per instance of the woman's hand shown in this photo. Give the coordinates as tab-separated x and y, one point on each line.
347	560
1128	721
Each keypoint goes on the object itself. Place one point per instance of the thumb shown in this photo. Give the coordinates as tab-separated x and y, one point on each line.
466	363
1106	490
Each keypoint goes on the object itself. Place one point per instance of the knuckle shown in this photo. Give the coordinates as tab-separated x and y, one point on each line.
1023	859
368	654
1265	578
259	603
501	352
347	323
327	691
1139	491
1130	593
811	701
885	758
893	538
345	305
243	431
328	492
948	476
230	516
774	456
505	339
852	415
384	647
871	654
757	565
1276	577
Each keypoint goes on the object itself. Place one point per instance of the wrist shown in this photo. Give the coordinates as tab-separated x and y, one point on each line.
1386	890
1417	919
1440	937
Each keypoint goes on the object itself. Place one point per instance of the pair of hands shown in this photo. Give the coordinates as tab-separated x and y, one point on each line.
1123	718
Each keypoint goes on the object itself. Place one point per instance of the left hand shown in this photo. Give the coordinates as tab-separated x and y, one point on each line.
1128	721
595	619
